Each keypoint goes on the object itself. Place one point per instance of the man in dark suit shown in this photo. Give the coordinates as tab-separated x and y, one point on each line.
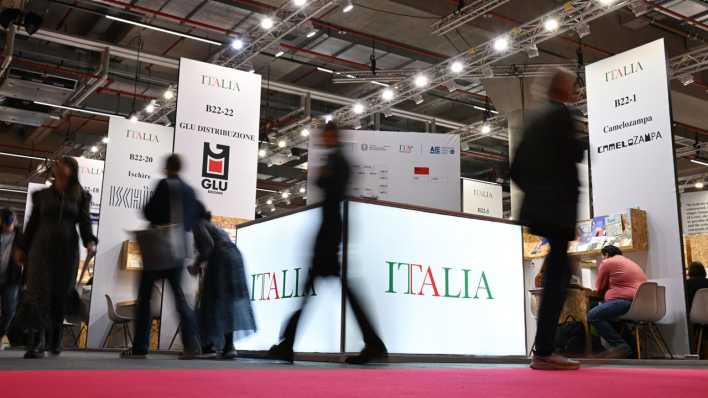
169	192
10	269
333	180
545	169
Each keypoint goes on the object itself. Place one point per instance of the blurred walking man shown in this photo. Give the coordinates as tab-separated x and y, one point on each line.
333	181
545	169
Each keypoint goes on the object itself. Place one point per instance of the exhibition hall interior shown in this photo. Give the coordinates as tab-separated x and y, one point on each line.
420	198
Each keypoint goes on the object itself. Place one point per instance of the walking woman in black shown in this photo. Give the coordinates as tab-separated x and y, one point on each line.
51	247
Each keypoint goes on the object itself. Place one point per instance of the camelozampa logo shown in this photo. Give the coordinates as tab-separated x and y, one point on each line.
279	285
224	84
456	283
623	71
215	168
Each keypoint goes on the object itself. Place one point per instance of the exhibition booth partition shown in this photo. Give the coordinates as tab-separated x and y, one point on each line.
434	281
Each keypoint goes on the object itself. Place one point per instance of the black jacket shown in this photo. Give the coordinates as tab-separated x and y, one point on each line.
545	168
693	285
157	210
13	274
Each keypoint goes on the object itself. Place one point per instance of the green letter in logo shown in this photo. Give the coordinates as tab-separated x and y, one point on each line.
447	284
483	279
285	295
390	276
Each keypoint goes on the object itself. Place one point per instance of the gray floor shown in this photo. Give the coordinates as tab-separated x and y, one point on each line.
79	360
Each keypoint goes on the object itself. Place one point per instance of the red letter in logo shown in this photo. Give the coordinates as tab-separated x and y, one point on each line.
429	275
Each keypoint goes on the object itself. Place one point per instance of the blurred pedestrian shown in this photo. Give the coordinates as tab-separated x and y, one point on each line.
545	169
224	309
172	203
10	269
333	179
51	247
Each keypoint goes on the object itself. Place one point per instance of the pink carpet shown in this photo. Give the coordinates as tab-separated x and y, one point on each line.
367	383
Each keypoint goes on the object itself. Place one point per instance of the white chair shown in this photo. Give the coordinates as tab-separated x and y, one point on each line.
699	315
648	307
119	320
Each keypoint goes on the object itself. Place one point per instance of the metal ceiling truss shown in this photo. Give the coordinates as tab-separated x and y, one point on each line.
497	71
685	65
287	19
573	14
465	15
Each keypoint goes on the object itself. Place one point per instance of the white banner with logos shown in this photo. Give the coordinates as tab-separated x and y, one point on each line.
216	132
134	164
453	287
276	271
411	168
482	198
694	212
632	158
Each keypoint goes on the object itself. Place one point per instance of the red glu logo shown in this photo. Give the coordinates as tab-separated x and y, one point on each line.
215	168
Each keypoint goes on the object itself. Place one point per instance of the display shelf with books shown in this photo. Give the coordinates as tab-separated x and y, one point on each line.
626	230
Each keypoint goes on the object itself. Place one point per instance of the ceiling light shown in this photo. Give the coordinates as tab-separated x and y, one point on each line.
305	132
105	140
168	94
421	81
267	23
325	70
551	25
358	108
133	118
299	3
699	161
14	155
269	202
328	118
351	76
699	185
282	144
686	79
303	190
457	67
71	108
150	108
418	99
387	94
479	108
237	44
94	149
279	54
311	34
285	195
379	83
170	32
272	209
262	153
348	7
501	44
607	2
486	128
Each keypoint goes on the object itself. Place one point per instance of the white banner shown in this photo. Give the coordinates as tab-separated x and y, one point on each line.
91	177
216	132
632	164
134	163
455	286
276	272
694	212
412	168
482	198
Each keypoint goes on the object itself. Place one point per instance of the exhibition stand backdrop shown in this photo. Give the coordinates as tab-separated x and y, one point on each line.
434	282
633	166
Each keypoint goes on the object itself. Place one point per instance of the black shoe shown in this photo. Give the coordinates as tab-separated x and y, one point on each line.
133	354
368	354
34	355
229	354
281	352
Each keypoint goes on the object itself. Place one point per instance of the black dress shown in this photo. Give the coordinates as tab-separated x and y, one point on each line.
52	246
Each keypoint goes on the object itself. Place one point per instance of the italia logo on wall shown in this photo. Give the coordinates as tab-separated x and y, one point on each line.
215	168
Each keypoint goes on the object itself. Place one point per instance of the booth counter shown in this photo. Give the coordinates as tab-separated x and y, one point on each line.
434	282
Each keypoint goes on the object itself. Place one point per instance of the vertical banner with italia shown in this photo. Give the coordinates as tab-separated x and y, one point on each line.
633	165
134	164
217	134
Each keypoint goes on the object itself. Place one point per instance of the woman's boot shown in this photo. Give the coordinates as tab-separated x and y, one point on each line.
35	344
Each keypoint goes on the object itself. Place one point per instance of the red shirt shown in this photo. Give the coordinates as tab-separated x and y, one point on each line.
620	278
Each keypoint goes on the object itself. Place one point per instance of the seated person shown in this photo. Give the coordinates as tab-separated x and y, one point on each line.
696	281
618	279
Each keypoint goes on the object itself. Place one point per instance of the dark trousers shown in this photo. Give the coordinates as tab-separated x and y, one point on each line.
602	317
555	282
173	276
8	295
370	336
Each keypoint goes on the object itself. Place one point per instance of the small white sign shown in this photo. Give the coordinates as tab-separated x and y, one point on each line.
694	212
482	198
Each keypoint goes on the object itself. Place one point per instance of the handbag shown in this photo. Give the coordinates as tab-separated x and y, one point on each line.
164	247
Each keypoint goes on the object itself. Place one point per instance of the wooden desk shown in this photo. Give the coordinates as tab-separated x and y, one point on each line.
576	306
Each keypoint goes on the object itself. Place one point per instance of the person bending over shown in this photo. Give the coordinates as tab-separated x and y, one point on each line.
695	282
618	279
